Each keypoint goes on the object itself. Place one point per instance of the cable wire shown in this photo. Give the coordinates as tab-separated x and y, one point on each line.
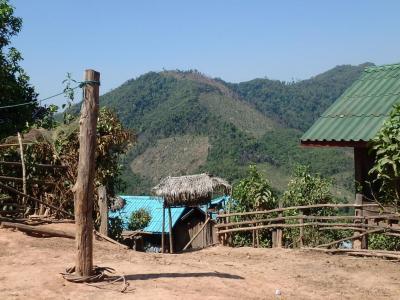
80	85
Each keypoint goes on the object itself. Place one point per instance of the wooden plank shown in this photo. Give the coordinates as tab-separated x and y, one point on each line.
84	186
197	233
36	230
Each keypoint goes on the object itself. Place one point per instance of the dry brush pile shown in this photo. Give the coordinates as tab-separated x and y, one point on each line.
60	147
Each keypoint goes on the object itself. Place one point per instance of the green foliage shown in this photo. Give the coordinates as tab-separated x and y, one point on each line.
139	219
115	228
386	146
383	242
252	193
308	189
14	82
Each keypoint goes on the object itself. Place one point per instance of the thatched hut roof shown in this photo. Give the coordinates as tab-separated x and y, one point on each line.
190	190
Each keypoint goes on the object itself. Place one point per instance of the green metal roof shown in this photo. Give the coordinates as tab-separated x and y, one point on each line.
362	109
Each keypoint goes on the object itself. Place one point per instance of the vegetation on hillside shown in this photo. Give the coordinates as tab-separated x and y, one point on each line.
298	104
174	104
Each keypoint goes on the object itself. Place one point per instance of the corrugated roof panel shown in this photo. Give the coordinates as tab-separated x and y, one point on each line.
154	205
362	109
344	129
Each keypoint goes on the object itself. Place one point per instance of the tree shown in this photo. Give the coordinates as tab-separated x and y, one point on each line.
14	82
386	170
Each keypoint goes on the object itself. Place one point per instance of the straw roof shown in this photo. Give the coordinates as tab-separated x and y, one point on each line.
190	190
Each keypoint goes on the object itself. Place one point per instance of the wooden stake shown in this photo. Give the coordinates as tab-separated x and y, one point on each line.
301	222
21	151
103	208
84	186
163	229
171	239
279	232
358	213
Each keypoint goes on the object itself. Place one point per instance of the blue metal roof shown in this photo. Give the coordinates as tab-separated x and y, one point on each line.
154	205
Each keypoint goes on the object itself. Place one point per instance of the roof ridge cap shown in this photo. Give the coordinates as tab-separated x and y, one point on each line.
382	67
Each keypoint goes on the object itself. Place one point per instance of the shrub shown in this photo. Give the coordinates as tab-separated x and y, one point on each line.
139	219
115	228
307	189
251	194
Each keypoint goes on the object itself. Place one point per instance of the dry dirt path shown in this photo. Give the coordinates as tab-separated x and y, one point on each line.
30	267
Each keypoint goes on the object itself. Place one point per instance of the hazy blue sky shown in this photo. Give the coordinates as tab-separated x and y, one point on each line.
234	40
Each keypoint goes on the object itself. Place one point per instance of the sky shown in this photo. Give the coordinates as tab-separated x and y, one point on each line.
233	40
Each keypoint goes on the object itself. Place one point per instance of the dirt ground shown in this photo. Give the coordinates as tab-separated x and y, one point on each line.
30	269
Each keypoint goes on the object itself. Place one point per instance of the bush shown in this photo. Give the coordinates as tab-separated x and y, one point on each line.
383	242
251	194
139	219
307	189
115	228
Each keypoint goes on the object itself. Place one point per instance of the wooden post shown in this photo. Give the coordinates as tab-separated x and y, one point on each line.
360	243
21	150
257	238
273	236
279	232
254	238
171	239
84	186
301	237
163	229
103	208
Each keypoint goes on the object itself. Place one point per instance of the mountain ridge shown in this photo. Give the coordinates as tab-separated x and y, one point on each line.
258	121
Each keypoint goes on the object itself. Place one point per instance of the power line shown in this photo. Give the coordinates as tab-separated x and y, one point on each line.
81	84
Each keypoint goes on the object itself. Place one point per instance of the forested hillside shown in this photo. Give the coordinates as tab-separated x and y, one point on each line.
188	123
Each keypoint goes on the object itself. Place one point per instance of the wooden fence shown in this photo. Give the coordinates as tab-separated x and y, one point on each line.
368	218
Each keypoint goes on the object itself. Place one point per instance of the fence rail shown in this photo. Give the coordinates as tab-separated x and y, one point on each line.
383	221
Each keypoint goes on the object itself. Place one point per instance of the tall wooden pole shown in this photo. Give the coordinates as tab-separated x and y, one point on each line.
171	239
163	229
84	186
